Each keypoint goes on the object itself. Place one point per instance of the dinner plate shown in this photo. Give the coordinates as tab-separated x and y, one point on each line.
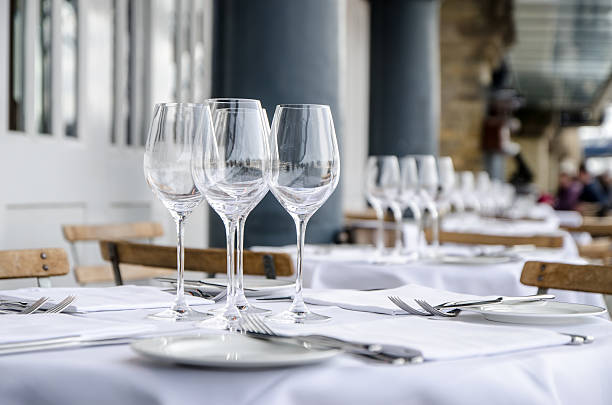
458	259
540	312
254	287
228	351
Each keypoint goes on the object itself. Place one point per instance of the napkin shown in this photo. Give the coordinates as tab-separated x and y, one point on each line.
437	340
30	328
377	301
101	298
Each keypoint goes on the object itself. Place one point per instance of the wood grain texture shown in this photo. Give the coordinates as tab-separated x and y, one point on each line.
33	263
546	241
134	230
104	273
563	276
206	260
599	249
596	226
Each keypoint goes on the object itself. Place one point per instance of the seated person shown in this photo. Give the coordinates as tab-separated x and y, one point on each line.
569	188
592	192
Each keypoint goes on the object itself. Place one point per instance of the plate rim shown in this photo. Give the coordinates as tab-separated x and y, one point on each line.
533	315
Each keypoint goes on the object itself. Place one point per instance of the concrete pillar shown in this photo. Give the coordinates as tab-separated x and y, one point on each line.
404	77
279	51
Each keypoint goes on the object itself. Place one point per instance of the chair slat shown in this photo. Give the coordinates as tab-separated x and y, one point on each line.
594	225
134	230
33	263
564	276
545	241
206	260
104	273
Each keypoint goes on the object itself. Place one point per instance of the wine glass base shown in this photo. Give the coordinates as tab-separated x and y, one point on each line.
298	317
180	315
221	322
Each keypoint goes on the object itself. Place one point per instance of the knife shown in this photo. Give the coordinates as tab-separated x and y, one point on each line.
503	299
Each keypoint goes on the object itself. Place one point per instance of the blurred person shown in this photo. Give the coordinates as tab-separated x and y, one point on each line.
592	192
604	181
569	188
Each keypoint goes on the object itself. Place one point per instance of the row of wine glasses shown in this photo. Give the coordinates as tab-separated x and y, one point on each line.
224	151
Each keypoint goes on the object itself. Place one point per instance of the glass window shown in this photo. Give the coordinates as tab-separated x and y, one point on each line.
43	69
16	66
69	66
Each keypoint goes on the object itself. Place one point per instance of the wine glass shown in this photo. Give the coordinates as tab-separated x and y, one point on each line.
468	192
167	169
448	180
305	172
220	104
428	191
231	171
382	189
408	194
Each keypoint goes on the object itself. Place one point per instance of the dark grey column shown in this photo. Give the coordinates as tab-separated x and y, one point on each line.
404	77
279	51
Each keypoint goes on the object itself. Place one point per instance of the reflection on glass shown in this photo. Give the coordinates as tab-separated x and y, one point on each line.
43	69
69	66
16	66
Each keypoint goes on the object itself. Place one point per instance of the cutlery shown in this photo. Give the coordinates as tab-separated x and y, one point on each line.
579	339
199	282
403	305
23	307
62	305
254	326
505	299
425	305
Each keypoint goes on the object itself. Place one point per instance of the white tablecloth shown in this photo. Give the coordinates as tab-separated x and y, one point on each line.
338	271
116	375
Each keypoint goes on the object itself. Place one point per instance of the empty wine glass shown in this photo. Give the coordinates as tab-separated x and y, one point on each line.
231	171
382	190
448	181
167	169
468	192
428	191
408	194
220	104
305	172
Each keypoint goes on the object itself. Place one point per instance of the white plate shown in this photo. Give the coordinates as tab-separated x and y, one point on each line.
457	259
540	312
254	287
228	351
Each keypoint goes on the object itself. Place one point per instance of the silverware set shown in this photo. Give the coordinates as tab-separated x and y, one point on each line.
254	326
26	308
455	306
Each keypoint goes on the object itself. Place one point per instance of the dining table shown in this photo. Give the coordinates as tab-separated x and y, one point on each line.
560	374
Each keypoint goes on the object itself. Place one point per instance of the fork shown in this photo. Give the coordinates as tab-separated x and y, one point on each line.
255	326
62	305
30	308
403	305
427	307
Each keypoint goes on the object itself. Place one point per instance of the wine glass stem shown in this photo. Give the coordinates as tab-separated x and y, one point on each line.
180	259
418	219
298	305
380	233
397	216
240	298
230	233
435	219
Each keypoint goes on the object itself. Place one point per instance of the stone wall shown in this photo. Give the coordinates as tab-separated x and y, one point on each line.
474	37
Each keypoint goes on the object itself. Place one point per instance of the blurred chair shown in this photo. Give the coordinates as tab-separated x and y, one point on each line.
599	250
125	231
39	263
562	276
210	261
543	241
596	226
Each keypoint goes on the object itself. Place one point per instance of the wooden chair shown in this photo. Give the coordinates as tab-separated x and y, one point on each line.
563	276
207	260
599	250
126	231
596	226
545	241
39	263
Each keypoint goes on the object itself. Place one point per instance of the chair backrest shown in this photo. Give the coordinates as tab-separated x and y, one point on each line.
206	260
39	263
596	226
564	276
544	241
134	230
